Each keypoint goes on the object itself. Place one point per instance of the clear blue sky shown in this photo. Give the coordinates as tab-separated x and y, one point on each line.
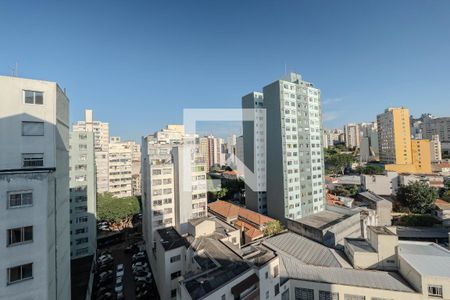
139	63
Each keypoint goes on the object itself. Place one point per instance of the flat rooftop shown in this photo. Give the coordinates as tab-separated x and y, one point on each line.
323	219
381	230
171	239
427	258
369	196
360	245
404	232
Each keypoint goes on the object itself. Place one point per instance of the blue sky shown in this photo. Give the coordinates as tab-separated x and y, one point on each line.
139	63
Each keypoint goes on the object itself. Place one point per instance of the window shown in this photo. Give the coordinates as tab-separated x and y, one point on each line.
30	160
83	219
304	294
19	273
267	295
223	297
175	275
33	97
32	128
435	291
275	271
267	275
20	199
277	289
20	235
82	251
325	295
81	241
173	293
175	258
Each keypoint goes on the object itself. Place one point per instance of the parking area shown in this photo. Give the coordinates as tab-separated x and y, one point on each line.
120	254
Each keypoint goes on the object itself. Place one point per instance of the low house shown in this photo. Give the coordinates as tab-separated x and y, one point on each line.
251	223
443	211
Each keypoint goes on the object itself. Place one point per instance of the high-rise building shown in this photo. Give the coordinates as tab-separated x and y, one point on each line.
368	148
435	149
83	203
332	137
352	135
120	167
293	148
173	182
255	152
34	188
435	126
101	144
397	150
136	170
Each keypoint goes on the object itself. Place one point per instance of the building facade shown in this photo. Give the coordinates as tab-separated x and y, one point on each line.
352	135
120	167
101	144
397	150
295	169
254	134
34	187
83	196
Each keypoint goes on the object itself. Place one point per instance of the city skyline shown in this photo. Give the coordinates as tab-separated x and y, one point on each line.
102	61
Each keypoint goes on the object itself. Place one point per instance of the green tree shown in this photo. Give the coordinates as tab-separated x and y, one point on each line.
336	163
417	196
347	190
272	227
115	210
371	170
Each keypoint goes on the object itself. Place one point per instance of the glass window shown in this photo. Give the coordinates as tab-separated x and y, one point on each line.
32	128
325	295
353	297
20	273
175	258
20	235
435	290
33	97
20	199
304	294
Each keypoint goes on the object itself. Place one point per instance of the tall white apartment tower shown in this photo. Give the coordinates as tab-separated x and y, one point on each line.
34	190
120	167
255	152
101	143
352	135
295	168
83	195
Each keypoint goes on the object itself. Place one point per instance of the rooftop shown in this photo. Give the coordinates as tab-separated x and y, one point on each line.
404	232
443	205
232	211
427	258
323	219
371	197
295	269
303	249
359	245
381	230
171	239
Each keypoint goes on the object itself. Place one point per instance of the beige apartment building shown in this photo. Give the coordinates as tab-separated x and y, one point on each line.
101	144
120	167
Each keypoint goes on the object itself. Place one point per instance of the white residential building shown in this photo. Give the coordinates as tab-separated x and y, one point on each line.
101	138
34	189
352	135
435	149
254	134
368	149
83	202
136	170
295	170
120	167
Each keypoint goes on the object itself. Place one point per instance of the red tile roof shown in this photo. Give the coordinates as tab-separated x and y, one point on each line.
442	204
230	211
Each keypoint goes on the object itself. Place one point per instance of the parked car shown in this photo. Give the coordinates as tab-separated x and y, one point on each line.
119	285
119	270
102	291
141	269
139	255
105	260
143	279
105	267
105	275
141	287
139	264
105	296
142	294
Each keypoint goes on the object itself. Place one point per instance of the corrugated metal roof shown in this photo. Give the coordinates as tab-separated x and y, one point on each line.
427	258
305	250
294	269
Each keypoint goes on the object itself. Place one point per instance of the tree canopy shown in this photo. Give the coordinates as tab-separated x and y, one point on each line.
371	170
115	210
346	190
336	161
417	196
272	227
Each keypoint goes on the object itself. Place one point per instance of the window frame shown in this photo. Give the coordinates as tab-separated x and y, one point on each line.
9	282
22	236
30	157
20	192
33	122
437	287
34	97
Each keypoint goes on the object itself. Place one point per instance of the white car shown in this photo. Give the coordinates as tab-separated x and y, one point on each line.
119	270
119	285
139	264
